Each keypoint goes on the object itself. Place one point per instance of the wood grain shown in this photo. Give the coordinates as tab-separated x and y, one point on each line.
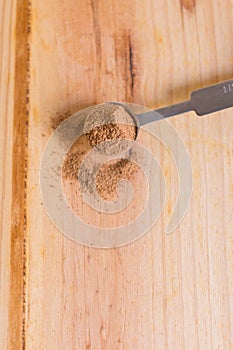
13	65
163	291
17	303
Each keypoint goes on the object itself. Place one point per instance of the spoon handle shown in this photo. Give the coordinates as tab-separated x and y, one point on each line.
203	101
213	98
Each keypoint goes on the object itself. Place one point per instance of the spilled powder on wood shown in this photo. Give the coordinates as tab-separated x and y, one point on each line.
105	122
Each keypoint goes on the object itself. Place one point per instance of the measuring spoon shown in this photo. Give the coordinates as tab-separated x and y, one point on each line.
203	101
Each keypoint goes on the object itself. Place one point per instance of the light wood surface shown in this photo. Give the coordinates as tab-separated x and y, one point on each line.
163	291
6	127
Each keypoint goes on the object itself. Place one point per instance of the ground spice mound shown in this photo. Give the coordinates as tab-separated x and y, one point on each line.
72	169
71	166
105	179
109	128
74	158
91	175
110	174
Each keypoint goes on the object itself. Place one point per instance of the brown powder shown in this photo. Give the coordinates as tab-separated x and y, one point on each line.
74	158
59	118
111	123
109	174
71	166
105	179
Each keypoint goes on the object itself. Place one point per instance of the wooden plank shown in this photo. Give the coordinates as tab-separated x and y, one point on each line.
90	298
163	291
13	65
14	114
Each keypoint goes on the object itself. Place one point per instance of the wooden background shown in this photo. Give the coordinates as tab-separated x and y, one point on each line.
161	292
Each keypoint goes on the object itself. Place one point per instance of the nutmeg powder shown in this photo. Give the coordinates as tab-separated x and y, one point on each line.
118	132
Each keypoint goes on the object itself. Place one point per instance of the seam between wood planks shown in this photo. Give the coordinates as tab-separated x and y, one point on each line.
17	304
